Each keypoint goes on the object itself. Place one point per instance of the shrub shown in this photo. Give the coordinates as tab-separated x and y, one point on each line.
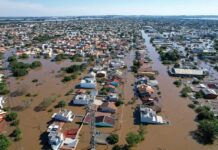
178	83
23	56
121	147
75	68
12	59
60	57
170	56
199	95
202	108
76	58
176	65
4	142
205	115
61	104
15	122
192	106
119	102
45	103
4	88
19	65
195	82
19	72
17	134
11	116
35	64
208	130
67	79
185	91
113	139
133	139
28	95
35	80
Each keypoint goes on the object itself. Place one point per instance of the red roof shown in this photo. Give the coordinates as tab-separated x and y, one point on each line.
71	133
105	119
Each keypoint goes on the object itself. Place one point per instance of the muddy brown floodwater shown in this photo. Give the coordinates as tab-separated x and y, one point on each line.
177	135
34	124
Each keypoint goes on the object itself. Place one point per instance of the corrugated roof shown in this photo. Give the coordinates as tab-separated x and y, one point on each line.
188	71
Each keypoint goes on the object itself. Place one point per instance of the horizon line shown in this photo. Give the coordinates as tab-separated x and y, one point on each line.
113	15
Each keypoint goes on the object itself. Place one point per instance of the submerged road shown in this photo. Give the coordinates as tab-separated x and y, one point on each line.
177	135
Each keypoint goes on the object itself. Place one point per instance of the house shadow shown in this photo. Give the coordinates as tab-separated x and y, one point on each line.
50	122
77	86
44	141
136	115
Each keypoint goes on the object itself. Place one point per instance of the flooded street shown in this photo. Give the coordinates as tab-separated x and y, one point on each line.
33	124
177	135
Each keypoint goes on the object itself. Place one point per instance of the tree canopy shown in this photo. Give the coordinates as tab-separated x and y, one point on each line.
4	142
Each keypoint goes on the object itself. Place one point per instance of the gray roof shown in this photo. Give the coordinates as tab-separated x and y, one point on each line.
188	71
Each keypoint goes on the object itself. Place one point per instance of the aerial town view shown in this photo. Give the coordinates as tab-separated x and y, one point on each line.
108	75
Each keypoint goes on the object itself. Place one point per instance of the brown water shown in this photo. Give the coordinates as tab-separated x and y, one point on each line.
175	136
34	124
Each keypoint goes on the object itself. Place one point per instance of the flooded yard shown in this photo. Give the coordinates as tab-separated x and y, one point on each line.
177	135
26	95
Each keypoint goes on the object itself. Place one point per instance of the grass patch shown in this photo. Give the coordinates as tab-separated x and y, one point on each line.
45	103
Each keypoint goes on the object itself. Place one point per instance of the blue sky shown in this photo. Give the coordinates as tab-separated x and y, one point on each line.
107	7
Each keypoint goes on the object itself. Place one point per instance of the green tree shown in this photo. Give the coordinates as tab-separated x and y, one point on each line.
35	64
17	134
4	88
185	91
202	108
12	58
121	147
113	139
199	95
11	116
4	142
119	102
178	83
19	72
24	56
132	139
208	130
67	79
205	115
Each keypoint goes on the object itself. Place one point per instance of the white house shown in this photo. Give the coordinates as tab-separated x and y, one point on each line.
55	139
69	143
2	102
64	115
81	99
88	83
54	127
148	116
113	97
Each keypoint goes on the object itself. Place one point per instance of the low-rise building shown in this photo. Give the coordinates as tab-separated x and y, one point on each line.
148	116
179	72
81	99
64	115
